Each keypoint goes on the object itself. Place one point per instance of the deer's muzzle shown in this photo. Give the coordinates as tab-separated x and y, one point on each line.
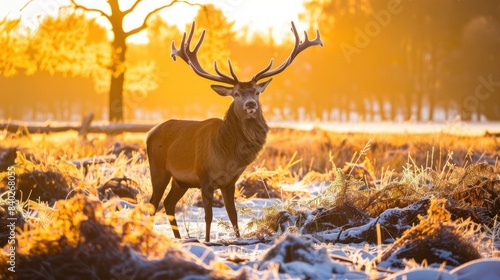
250	107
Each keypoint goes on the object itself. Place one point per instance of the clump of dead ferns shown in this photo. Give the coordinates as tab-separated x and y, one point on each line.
45	181
56	179
86	240
435	233
472	190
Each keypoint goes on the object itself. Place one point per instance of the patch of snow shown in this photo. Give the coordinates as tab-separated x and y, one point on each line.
478	269
457	128
296	257
444	254
423	273
203	253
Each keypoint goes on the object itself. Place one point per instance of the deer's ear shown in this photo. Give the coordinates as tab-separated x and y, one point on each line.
222	90
262	86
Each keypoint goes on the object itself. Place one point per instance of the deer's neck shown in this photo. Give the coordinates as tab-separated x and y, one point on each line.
241	139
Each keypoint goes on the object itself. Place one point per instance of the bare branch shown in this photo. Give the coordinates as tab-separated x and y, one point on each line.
78	6
26	5
129	10
144	23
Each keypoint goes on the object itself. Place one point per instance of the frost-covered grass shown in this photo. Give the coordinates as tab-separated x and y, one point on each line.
348	205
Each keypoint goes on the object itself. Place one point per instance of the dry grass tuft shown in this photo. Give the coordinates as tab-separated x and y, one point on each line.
263	183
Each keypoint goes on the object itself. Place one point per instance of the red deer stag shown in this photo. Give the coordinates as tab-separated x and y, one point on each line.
212	154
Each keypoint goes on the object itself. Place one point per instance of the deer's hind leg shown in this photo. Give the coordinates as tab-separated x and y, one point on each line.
175	194
159	180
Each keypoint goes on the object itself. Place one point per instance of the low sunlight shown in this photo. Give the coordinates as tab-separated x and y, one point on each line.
258	16
250	139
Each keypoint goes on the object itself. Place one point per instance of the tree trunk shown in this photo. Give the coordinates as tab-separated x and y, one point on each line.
418	81
118	68
394	103
431	83
432	106
419	100
381	108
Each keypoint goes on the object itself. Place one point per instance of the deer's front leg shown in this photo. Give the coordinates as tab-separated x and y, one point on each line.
207	193
228	196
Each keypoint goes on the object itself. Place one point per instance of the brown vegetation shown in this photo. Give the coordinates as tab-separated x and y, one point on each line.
381	182
82	242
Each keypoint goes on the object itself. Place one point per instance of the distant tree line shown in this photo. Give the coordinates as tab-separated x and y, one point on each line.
382	60
411	58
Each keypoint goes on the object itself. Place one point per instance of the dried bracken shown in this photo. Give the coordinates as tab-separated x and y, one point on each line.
436	239
83	242
359	188
47	182
121	187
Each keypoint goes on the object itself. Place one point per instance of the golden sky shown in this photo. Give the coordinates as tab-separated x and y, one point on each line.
258	15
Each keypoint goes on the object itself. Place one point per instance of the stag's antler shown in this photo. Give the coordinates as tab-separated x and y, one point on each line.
299	47
191	58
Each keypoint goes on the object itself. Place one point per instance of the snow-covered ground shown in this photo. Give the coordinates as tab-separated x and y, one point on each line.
295	256
459	128
451	127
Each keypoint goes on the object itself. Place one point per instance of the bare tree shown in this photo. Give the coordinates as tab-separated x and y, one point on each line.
118	65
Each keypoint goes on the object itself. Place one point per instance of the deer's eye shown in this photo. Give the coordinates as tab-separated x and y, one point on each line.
236	94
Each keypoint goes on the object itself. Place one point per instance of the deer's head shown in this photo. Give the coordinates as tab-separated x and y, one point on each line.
245	94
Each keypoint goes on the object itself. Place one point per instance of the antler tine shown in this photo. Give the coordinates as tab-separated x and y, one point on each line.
297	48
318	37
198	45
222	74
263	70
231	70
176	51
190	36
307	43
191	58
